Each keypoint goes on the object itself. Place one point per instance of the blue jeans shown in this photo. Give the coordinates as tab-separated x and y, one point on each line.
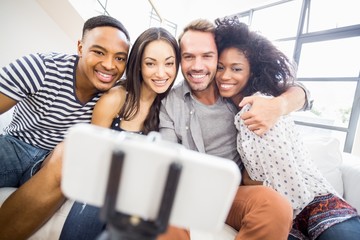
19	161
82	223
347	230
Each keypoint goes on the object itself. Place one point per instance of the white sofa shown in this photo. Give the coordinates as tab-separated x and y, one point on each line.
341	169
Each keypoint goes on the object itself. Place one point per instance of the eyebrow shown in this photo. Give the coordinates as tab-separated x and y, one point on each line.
104	49
205	53
155	59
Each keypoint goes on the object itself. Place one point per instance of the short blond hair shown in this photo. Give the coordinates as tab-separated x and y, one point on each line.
201	25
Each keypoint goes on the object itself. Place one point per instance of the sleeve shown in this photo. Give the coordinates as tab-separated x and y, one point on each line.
308	99
22	77
166	126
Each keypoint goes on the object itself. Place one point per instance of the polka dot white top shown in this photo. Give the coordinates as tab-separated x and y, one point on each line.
280	160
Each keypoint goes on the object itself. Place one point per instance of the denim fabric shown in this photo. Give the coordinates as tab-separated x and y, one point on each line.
19	161
82	223
349	230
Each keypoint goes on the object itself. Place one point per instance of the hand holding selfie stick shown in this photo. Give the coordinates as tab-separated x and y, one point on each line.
121	226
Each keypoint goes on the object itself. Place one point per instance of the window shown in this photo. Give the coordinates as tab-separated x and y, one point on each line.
277	21
145	14
324	14
323	37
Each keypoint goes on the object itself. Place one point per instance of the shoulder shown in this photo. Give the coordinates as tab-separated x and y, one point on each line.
108	106
40	58
177	102
115	97
59	61
118	89
116	93
177	93
57	56
33	59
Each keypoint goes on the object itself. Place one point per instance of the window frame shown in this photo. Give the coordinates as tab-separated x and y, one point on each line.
303	37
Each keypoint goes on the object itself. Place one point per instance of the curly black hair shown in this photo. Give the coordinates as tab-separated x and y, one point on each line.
271	71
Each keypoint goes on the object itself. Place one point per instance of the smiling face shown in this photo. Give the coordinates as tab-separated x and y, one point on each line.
103	54
233	73
158	66
198	59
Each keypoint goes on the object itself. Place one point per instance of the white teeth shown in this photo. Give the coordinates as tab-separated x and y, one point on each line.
104	75
160	81
198	76
226	86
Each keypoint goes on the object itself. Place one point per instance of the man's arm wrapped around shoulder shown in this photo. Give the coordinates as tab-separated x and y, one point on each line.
308	99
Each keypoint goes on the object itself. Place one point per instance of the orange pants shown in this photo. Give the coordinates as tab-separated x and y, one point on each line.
257	212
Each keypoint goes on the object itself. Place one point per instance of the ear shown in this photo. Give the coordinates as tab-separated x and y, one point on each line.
79	48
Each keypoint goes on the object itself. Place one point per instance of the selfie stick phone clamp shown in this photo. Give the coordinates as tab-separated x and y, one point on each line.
121	226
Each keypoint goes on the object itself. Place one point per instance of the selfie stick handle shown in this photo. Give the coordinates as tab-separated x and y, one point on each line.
122	226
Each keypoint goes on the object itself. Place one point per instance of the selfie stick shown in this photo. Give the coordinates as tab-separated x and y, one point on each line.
122	226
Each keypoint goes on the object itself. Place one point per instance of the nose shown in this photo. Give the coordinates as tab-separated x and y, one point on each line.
108	63
161	71
224	75
198	64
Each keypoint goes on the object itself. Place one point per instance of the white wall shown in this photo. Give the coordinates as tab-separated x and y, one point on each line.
29	26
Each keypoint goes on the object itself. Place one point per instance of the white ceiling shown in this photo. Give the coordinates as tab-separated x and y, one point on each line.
135	13
192	9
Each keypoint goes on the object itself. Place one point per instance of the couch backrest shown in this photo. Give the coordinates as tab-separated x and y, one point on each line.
325	151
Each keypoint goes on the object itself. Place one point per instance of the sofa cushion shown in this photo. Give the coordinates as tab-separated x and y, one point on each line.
351	177
325	152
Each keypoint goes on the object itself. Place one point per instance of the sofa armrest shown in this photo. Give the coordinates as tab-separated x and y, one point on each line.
350	169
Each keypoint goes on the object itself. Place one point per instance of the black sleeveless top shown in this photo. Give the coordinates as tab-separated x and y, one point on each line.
115	125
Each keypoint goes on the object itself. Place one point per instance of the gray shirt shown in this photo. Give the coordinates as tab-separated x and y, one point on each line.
204	128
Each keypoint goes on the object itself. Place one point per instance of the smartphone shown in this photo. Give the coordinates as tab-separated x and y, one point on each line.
206	187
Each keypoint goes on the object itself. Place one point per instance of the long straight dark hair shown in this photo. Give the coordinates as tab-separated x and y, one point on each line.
134	78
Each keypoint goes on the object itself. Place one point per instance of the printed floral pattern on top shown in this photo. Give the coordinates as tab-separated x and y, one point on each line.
280	160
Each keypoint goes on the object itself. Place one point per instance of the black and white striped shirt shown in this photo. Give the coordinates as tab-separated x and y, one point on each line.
44	87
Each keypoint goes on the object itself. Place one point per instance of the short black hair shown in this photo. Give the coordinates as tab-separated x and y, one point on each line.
104	21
